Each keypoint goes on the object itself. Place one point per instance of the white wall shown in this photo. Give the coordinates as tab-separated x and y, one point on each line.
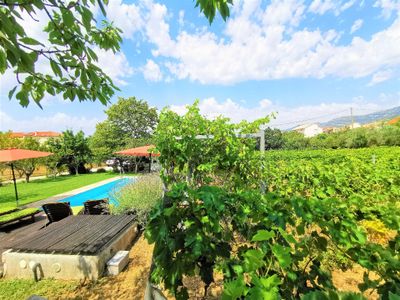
312	130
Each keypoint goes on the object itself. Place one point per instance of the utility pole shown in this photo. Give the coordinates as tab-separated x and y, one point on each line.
352	118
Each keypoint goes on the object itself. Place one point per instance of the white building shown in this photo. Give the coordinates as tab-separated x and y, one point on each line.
309	130
355	125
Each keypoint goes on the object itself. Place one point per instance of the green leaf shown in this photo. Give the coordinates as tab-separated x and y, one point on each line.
11	93
282	254
253	259
56	69
257	293
288	237
233	289
87	18
270	282
332	295
263	235
68	18
393	296
22	96
30	41
3	61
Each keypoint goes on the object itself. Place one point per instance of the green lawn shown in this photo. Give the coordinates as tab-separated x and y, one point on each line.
44	188
24	288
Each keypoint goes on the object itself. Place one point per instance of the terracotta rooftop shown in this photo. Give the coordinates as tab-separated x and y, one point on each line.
35	134
44	134
394	121
17	134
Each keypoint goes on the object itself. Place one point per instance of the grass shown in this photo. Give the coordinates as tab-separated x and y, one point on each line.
17	214
45	188
76	209
6	210
24	288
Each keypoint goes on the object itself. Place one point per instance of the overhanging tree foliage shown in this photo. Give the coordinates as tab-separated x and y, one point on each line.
69	49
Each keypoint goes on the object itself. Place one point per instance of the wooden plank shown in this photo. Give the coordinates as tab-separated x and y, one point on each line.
98	240
76	234
79	226
40	234
113	234
110	235
48	235
95	225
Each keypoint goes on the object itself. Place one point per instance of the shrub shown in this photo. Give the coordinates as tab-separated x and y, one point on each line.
101	170
139	197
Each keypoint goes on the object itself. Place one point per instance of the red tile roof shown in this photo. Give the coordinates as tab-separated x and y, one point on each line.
394	121
17	134
44	134
35	134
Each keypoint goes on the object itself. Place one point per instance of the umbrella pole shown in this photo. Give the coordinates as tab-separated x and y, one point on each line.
150	164
15	183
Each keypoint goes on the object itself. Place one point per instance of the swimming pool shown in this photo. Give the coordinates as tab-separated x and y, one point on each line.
100	192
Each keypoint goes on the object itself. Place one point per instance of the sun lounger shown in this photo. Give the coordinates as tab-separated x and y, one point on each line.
18	215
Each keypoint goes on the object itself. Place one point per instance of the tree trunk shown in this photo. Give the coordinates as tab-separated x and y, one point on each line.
27	177
77	170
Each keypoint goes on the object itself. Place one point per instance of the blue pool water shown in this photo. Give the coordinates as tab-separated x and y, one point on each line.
100	192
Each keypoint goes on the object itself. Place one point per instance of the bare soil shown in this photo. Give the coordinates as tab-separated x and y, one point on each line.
129	284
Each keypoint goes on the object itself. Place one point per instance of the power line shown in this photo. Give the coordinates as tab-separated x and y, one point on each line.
311	119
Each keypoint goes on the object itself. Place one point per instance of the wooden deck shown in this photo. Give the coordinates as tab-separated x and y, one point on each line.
83	234
15	232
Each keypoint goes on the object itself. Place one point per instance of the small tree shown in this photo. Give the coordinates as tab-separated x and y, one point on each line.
134	118
107	139
27	166
130	123
295	140
273	139
73	151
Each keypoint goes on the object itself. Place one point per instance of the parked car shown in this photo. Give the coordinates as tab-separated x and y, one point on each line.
111	162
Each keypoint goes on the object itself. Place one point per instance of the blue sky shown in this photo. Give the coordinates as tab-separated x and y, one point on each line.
307	60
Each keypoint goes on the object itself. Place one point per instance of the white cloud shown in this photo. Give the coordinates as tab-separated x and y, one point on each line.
115	65
152	71
388	7
347	5
181	20
57	122
261	43
381	76
322	6
127	17
288	117
356	25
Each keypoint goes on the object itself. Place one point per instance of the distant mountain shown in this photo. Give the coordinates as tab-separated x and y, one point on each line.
364	119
